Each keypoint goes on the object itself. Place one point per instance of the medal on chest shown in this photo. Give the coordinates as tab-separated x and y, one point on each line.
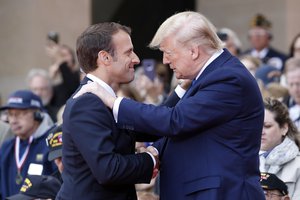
20	161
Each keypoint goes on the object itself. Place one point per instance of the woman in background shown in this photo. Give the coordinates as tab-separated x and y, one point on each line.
279	152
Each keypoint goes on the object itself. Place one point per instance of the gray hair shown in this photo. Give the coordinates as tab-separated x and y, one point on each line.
38	72
189	27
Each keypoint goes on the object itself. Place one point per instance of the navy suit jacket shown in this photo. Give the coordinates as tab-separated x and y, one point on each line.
212	135
99	159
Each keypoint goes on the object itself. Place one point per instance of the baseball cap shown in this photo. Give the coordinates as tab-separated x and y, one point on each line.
23	99
54	142
37	186
267	74
270	181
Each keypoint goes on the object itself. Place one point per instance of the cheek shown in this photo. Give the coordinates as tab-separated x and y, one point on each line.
273	137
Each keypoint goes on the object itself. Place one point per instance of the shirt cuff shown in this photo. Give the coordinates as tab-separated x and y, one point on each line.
180	91
116	107
154	161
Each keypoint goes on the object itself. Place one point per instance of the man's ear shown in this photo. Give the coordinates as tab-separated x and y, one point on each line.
195	51
104	57
286	197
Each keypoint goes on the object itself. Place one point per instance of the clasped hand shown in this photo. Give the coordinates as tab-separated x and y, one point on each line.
154	153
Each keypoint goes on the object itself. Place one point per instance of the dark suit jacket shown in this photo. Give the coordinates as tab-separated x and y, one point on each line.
99	159
272	53
212	135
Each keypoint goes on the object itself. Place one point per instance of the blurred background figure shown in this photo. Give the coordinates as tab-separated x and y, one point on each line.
251	63
63	71
231	40
38	187
26	153
260	37
277	91
40	83
54	143
295	47
148	85
146	191
5	132
267	74
292	76
279	152
273	187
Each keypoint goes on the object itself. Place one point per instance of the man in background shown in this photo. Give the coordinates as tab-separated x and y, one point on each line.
260	37
25	153
273	187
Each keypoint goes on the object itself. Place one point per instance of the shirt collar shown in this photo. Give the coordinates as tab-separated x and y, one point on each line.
102	83
210	60
259	54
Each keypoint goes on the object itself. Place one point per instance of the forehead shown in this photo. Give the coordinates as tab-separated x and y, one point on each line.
168	43
293	73
122	40
39	80
15	110
269	115
257	31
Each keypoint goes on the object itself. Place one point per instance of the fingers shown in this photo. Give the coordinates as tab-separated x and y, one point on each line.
79	93
155	172
89	87
152	150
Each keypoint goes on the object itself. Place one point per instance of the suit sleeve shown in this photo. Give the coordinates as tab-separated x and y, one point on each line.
171	101
91	124
214	102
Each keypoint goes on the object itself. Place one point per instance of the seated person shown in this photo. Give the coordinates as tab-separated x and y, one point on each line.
54	142
38	187
273	187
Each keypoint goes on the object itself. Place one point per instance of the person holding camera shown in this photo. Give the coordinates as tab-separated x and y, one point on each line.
63	71
25	153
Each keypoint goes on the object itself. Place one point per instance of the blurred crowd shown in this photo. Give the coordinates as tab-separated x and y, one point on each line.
277	74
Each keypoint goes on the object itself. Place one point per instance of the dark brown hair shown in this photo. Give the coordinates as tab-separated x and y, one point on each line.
292	47
281	116
94	39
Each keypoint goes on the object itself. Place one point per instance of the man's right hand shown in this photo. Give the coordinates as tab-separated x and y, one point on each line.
98	90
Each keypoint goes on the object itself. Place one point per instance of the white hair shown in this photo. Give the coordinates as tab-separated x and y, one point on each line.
188	27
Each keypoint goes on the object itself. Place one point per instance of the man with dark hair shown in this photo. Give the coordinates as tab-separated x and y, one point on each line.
99	159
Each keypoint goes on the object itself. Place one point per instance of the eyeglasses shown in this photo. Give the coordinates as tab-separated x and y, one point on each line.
270	195
18	113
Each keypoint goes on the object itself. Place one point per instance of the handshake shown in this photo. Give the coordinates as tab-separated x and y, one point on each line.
151	150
